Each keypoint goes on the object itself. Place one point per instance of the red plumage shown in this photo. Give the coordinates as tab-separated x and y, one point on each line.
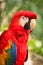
17	35
28	14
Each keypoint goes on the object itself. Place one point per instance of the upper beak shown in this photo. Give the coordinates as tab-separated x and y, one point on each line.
32	24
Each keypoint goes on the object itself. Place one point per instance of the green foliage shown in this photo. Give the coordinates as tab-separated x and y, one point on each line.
9	5
36	46
5	27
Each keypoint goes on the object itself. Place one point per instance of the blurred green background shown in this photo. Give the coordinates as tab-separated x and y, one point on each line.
9	7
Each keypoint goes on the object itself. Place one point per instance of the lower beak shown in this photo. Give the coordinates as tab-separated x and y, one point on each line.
27	26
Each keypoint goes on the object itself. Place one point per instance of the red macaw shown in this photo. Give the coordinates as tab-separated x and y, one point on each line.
13	42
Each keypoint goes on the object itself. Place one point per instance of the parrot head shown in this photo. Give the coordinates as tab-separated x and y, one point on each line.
25	19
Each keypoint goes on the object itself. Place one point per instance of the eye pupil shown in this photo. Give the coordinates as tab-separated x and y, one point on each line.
23	17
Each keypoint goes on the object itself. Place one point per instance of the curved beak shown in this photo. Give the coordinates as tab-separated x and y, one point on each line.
32	24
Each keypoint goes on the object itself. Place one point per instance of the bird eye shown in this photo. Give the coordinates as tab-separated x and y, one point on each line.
23	17
23	20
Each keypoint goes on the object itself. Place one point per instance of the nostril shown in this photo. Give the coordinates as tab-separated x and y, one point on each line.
27	26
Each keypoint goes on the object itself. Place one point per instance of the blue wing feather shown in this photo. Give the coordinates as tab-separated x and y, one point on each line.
13	54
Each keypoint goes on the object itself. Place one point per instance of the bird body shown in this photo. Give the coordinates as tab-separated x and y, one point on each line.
13	42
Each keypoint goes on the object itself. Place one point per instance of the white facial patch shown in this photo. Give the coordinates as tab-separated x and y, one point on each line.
23	20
